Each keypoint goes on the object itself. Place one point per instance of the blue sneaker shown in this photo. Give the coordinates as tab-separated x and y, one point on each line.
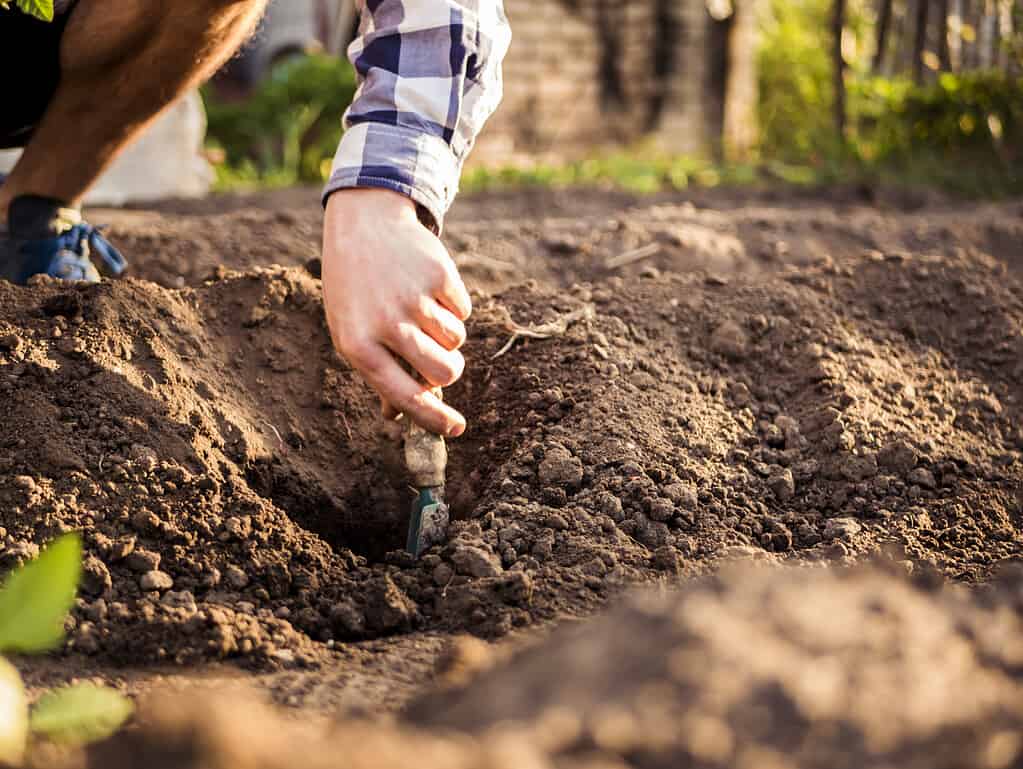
46	239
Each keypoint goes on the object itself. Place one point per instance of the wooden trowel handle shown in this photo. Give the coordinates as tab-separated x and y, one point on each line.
426	454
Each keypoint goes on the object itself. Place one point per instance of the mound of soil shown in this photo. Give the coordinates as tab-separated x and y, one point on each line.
241	498
751	668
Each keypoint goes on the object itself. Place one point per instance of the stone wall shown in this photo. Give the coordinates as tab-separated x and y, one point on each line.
581	73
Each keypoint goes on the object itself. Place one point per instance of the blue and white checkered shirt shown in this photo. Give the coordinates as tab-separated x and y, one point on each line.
429	77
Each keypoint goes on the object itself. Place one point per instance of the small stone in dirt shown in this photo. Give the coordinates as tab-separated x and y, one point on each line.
346	619
86	638
95	577
740	394
922	477
16	553
773	436
476	562
146	521
543	547
236	528
666	558
782	484
510	535
210	577
560	468
119	549
661	509
556	522
143	456
156	580
26	483
806	470
859	468
554	496
729	340
841	528
789	427
180	599
11	342
898	456
652	534
777	536
389	608
257	315
285	657
682	494
142	560
236	577
607	503
987	403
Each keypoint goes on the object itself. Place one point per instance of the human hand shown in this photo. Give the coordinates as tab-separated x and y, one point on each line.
391	291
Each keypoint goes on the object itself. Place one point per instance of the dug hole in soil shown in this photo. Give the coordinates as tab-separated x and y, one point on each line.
773	381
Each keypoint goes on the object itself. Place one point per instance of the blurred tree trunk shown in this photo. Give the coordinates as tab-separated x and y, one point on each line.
884	24
680	110
955	35
920	40
986	39
740	130
1006	32
902	61
944	59
838	64
971	23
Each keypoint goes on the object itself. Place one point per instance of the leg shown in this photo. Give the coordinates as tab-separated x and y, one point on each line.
122	62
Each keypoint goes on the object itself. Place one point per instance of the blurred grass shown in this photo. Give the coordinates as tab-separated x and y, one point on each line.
643	171
639	169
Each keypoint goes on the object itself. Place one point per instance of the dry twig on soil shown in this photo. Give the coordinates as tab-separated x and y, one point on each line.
629	257
544	330
489	262
277	433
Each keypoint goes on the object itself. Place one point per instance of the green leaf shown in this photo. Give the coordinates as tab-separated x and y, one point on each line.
36	598
41	9
77	715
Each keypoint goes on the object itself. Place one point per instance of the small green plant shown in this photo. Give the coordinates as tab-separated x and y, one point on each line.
34	602
41	9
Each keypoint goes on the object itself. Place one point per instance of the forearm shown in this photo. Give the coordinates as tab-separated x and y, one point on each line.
430	76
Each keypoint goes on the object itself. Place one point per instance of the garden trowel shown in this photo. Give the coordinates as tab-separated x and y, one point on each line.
426	456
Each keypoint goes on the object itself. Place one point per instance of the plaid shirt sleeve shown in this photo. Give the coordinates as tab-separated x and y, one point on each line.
429	77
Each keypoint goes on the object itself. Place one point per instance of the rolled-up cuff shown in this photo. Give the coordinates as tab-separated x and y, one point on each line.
419	165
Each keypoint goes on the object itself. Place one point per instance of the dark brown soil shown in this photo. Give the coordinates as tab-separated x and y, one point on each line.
771	668
804	383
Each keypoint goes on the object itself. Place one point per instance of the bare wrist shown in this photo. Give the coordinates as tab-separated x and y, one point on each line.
356	202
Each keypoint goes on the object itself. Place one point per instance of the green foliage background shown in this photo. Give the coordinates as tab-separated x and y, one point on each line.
960	132
288	130
41	9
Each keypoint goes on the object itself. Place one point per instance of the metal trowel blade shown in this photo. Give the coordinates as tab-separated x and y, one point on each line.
429	523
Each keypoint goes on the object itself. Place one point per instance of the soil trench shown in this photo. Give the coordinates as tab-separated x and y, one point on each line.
781	381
